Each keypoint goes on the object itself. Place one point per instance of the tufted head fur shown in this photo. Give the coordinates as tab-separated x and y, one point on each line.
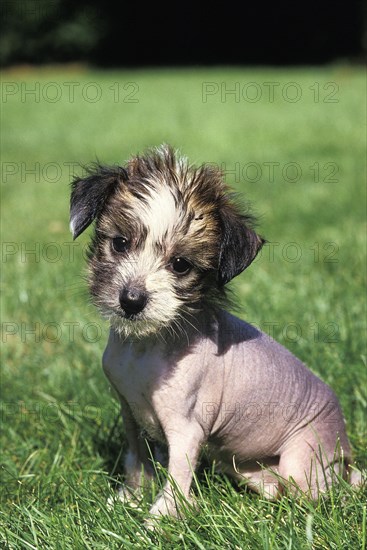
168	237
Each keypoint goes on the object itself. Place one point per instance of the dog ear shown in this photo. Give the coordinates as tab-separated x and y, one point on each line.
90	194
239	244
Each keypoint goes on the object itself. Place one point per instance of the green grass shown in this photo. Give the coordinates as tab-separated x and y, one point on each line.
60	436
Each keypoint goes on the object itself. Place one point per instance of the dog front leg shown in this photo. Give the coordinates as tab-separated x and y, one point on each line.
184	442
137	464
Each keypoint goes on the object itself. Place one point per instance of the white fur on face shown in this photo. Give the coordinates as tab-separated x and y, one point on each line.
160	214
150	271
148	268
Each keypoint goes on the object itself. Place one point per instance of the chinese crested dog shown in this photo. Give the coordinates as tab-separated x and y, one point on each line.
168	238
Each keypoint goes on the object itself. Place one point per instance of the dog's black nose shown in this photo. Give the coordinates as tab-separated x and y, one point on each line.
132	300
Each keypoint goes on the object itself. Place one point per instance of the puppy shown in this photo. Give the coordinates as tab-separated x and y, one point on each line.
168	239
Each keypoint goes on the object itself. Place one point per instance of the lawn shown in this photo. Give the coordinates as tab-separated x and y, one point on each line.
293	142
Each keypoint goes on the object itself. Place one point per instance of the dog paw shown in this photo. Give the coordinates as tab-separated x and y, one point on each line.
126	495
152	524
164	505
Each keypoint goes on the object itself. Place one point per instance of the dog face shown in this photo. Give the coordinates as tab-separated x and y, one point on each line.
167	239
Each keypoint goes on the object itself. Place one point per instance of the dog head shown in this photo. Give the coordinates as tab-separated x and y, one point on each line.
168	238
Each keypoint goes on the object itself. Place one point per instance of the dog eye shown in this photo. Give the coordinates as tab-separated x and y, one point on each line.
180	266
120	244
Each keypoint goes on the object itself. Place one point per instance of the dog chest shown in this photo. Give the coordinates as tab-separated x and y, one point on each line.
138	377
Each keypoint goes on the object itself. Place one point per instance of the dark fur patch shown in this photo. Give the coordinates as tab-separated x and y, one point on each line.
239	244
89	195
